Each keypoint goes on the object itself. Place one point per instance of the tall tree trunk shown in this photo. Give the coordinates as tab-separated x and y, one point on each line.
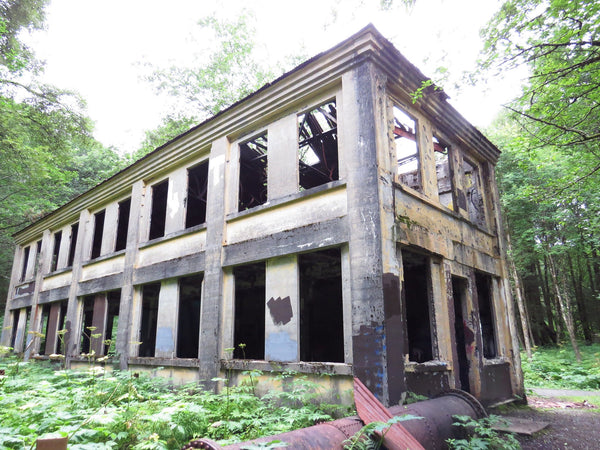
577	280
547	298
565	307
519	294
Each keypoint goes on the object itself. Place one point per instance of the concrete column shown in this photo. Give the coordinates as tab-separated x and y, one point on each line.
21	324
441	324
130	308
109	236
6	331
98	323
427	157
475	348
232	178
347	303
376	355
282	321
212	292
282	157
175	219
166	326
228	308
74	306
52	329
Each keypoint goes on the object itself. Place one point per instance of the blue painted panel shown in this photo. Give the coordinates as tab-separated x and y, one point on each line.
164	340
280	347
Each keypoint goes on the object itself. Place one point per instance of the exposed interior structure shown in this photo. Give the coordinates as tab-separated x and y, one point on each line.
326	225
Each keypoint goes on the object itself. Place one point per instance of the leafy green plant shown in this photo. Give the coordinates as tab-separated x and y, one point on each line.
481	435
370	437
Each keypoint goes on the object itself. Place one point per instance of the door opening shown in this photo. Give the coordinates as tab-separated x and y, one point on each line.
459	289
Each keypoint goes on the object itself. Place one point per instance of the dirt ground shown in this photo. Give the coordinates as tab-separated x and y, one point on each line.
572	425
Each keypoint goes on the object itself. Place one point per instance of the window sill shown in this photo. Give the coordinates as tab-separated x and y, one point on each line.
174	235
498	361
429	366
164	362
103	258
321	368
286	199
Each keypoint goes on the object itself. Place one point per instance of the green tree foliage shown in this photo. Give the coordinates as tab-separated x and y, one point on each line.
47	154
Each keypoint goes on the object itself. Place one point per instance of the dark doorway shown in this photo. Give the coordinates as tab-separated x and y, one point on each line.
188	323
486	314
321	308
416	295
459	291
249	311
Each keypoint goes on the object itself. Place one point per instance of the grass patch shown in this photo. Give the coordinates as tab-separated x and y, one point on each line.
123	410
556	368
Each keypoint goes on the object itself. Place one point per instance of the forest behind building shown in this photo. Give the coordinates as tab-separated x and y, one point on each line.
548	174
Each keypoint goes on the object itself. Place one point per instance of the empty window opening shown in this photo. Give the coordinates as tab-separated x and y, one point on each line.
86	323
150	294
25	262
249	328
15	326
195	213
461	331
188	322
73	243
472	184
416	294
123	224
112	322
486	314
253	173
321	310
407	149
55	251
98	232
158	215
318	146
61	326
38	255
44	331
443	171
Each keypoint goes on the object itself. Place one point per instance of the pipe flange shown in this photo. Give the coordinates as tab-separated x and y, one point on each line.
477	406
205	444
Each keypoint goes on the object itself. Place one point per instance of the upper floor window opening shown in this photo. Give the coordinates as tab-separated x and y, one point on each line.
158	215
73	243
473	188
98	233
195	213
25	263
407	149
123	224
253	173
318	146
38	255
55	251
443	170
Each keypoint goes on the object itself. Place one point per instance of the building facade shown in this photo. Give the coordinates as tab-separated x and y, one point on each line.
329	223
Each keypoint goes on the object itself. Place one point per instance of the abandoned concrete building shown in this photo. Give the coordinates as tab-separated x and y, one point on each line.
327	222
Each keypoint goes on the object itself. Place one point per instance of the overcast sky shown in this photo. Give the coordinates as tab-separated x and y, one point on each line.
99	48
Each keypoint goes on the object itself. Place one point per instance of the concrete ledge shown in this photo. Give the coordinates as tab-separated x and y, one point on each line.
320	368
164	362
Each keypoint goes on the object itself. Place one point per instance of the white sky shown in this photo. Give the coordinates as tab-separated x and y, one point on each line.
98	47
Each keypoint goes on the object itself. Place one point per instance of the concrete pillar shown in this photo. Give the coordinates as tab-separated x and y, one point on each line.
6	331
175	219
376	354
21	324
98	324
475	349
74	305
442	325
109	236
427	158
166	326
282	321
52	328
347	303
228	308
282	157
130	308
212	291
231	194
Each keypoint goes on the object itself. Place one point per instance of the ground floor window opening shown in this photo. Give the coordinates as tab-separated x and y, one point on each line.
249	327
188	327
150	293
321	306
486	314
416	293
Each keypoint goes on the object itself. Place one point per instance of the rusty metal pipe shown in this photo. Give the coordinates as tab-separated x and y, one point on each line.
431	431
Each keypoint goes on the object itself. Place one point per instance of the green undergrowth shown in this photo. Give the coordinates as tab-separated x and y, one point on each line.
125	410
556	368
